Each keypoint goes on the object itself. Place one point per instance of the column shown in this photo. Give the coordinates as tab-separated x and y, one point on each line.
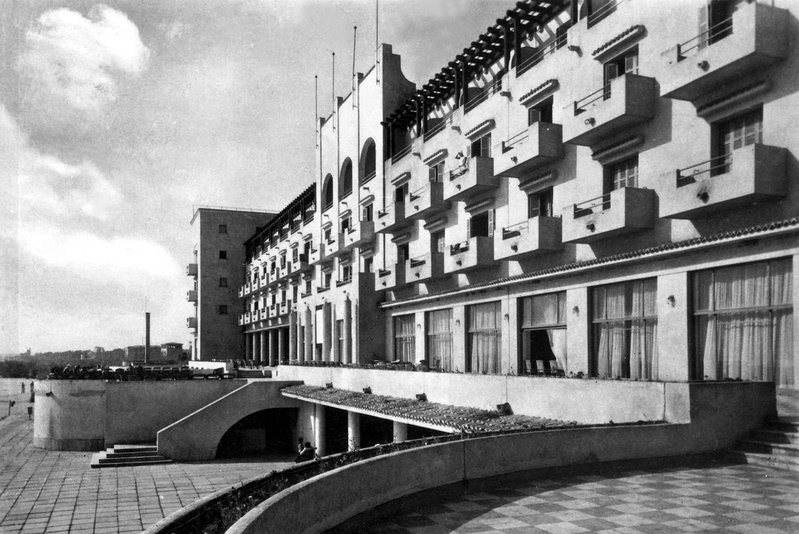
247	346
353	431
400	432
347	356
335	335
293	335
272	348
262	356
309	326
319	429
281	345
256	346
326	336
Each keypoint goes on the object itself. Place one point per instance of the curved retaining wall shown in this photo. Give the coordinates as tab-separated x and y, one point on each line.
330	499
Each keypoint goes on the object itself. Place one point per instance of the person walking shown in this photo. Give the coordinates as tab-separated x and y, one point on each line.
22	385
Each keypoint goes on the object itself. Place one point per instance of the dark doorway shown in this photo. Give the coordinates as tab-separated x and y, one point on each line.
265	433
335	430
375	430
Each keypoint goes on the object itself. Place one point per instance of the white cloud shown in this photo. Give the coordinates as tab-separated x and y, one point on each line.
71	66
117	260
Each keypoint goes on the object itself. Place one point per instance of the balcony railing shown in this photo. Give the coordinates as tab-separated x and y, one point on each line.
603	12
460	170
369	176
191	269
713	34
401	153
542	51
457	248
344	281
482	95
590	206
437	127
711	167
603	93
514	229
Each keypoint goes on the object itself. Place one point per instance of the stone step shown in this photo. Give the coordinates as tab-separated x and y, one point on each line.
122	456
130	459
783	424
128	456
774	436
134	448
789	463
765	447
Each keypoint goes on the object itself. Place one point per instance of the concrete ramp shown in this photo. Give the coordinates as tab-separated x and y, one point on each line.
196	436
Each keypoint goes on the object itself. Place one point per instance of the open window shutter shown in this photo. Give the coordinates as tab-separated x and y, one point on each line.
704	13
491	222
631	63
469	227
611	72
475	149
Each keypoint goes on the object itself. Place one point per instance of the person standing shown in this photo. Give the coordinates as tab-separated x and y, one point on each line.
22	385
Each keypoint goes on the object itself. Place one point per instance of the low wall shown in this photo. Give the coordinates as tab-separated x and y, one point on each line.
582	400
720	413
196	436
88	415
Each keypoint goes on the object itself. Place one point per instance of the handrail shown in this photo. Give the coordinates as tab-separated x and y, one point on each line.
603	92
439	126
401	153
714	31
712	169
369	176
418	261
418	192
515	139
483	94
544	49
460	170
603	12
586	208
457	248
514	229
383	273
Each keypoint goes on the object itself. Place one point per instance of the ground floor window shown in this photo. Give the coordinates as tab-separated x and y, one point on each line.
543	334
404	338
625	330
485	338
439	339
743	323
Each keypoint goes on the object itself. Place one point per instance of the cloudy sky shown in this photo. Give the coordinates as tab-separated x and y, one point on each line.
117	118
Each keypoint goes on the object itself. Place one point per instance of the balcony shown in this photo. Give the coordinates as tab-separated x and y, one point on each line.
426	201
360	233
390	218
241	291
535	235
191	322
264	279
247	318
621	211
753	173
247	288
285	307
473	253
317	254
424	267
625	102
191	295
472	177
285	269
262	314
756	36
301	263
273	310
191	269
390	278
538	145
332	245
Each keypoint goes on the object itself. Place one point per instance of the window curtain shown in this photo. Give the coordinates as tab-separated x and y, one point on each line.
439	339
612	347
643	332
740	334
557	340
485	337
404	339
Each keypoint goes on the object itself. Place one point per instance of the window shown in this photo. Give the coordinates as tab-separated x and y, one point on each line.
294	291
481	224
400	193
735	133
622	174
439	339
327	193
436	172
543	334
625	330
327	235
223	254
222	309
485	338
222	228
345	179
326	277
437	241
403	252
308	283
222	282
339	339
368	265
345	274
369	212
743	319
626	63
715	21
369	162
481	148
346	224
404	338
540	112
539	204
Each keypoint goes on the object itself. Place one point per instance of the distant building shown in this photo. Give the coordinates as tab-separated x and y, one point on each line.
218	270
134	353
171	351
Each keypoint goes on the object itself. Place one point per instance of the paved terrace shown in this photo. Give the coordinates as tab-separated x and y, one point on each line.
57	491
428	414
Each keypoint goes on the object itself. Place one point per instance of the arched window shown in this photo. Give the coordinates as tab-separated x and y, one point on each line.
368	161
345	179
327	193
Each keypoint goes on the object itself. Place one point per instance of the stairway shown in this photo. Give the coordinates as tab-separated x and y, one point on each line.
128	456
250	373
776	444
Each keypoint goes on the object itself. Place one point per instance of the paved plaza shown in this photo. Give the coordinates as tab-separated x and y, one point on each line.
728	498
54	491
